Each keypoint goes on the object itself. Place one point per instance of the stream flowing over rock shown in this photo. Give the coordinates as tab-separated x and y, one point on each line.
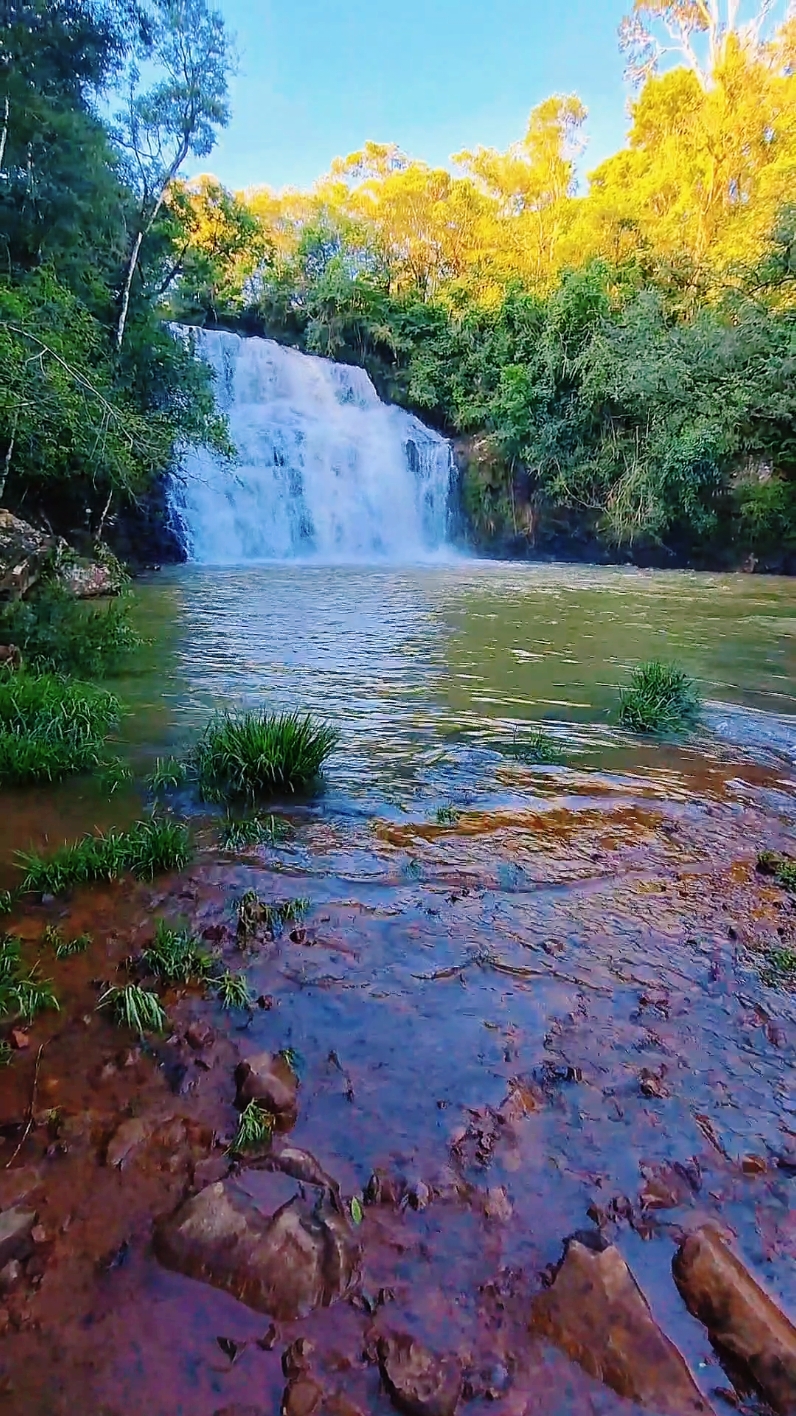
324	469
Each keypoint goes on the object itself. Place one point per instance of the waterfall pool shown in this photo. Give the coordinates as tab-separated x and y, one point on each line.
531	998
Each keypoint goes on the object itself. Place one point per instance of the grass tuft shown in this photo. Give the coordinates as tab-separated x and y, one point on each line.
51	727
6	902
782	868
176	955
238	833
22	995
661	698
134	1007
255	914
780	967
233	990
69	947
447	816
168	774
537	749
250	755
151	847
62	635
254	1129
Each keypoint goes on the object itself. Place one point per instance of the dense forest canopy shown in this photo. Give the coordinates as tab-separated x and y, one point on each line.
620	348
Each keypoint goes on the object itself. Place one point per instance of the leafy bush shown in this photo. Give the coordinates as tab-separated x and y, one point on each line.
51	727
149	848
252	755
60	634
661	698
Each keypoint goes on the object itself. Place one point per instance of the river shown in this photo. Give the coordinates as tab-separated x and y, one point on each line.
593	930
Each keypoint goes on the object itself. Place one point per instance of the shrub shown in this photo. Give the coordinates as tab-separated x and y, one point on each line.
252	755
58	633
149	848
661	698
51	727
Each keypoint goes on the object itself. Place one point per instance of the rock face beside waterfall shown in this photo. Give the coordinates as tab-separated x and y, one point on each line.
325	469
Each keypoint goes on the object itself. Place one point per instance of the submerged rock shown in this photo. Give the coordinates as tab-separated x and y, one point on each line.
744	1324
417	1381
270	1081
301	1397
284	1264
16	1227
597	1314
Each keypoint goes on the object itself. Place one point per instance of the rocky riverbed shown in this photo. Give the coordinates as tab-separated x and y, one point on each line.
520	1063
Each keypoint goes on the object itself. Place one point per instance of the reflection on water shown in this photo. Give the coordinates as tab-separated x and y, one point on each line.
425	670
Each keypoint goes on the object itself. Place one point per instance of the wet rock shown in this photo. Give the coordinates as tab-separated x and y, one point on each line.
270	1081
744	1324
597	1314
16	1227
497	1205
24	552
16	1185
301	1165
199	1036
523	1099
296	1358
665	1187
10	1275
383	1189
417	1381
211	1169
19	1039
89	579
301	1397
237	1410
338	1404
284	1264
652	1085
125	1140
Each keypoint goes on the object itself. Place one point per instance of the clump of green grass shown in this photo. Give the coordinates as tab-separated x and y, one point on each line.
134	1007
176	955
62	635
238	833
249	755
51	727
69	947
255	1128
168	774
782	868
151	847
6	902
780	967
255	914
537	749
447	816
661	698
233	990
22	994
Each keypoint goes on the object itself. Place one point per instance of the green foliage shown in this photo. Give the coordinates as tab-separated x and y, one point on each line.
255	914
51	727
537	748
782	868
661	698
23	994
59	634
233	990
255	1129
134	1007
253	755
169	773
6	902
67	948
780	967
150	847
176	956
240	832
447	816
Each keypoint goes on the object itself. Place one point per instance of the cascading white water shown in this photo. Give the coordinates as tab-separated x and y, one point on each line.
325	470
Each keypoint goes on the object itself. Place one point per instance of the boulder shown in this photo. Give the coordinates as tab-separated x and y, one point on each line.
269	1080
89	579
16	1227
302	1397
284	1264
597	1314
24	553
745	1325
417	1381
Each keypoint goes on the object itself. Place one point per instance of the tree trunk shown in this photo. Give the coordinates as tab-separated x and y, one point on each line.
9	455
128	285
4	133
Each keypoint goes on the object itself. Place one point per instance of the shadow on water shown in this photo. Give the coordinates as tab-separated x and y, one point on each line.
537	997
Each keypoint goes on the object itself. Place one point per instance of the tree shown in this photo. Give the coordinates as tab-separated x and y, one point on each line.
176	116
696	32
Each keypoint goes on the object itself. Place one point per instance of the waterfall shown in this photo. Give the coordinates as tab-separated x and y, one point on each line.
325	470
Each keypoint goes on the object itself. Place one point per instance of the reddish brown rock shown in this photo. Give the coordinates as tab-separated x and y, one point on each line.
301	1397
270	1081
597	1314
284	1264
417	1381
745	1325
125	1140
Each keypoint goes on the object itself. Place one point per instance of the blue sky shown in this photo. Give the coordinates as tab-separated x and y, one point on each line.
319	77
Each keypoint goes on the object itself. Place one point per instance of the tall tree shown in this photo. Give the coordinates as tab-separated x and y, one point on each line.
175	116
695	32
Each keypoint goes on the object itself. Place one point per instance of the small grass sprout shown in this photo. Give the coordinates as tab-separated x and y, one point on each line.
53	936
6	1054
537	749
239	833
781	868
245	756
176	955
447	816
134	1007
30	995
255	914
660	699
150	847
168	774
233	990
6	902
68	948
255	1128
